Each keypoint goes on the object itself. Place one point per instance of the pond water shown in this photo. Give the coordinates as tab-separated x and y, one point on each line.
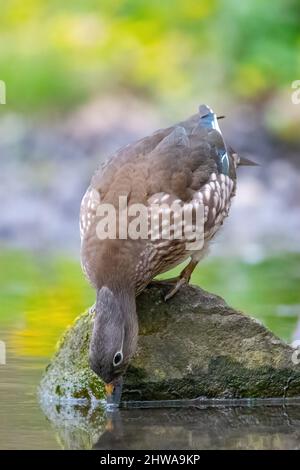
40	296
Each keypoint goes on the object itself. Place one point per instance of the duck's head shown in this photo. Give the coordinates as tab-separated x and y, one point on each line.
114	338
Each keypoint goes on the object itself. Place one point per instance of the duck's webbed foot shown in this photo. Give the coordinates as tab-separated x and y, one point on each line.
183	279
176	282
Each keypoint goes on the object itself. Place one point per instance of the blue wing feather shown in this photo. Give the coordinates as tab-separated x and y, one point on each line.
208	120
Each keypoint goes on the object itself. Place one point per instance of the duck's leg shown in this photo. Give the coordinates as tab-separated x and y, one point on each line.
183	279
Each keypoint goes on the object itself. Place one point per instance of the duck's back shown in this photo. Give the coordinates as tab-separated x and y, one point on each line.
188	163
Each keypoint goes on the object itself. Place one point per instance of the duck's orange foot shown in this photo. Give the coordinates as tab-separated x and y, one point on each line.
181	281
176	282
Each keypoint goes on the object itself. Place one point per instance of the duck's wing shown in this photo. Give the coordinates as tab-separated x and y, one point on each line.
177	161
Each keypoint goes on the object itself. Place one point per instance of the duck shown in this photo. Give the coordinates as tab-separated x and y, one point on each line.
188	166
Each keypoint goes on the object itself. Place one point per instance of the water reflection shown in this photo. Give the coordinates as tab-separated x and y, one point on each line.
211	427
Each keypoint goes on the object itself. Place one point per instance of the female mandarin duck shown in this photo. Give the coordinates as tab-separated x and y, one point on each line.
189	165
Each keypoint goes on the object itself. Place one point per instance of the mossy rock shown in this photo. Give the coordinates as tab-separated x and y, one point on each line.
194	345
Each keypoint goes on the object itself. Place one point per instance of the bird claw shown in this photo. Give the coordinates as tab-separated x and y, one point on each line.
181	282
176	282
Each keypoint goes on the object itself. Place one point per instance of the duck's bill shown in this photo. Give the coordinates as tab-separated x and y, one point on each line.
113	393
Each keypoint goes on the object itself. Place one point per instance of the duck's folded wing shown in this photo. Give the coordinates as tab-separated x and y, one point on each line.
181	163
177	161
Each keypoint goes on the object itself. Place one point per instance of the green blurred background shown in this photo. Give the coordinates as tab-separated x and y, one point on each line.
85	77
55	55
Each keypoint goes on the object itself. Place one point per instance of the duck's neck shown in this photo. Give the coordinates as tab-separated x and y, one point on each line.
115	266
117	307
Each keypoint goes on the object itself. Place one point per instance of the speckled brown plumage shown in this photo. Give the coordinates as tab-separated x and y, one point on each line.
177	163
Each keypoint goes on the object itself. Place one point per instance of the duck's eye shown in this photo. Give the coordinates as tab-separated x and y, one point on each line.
118	358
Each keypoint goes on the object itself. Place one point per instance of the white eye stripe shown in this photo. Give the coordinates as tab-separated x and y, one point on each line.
120	352
118	358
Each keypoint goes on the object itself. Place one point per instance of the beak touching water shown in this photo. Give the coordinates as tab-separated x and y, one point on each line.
114	392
